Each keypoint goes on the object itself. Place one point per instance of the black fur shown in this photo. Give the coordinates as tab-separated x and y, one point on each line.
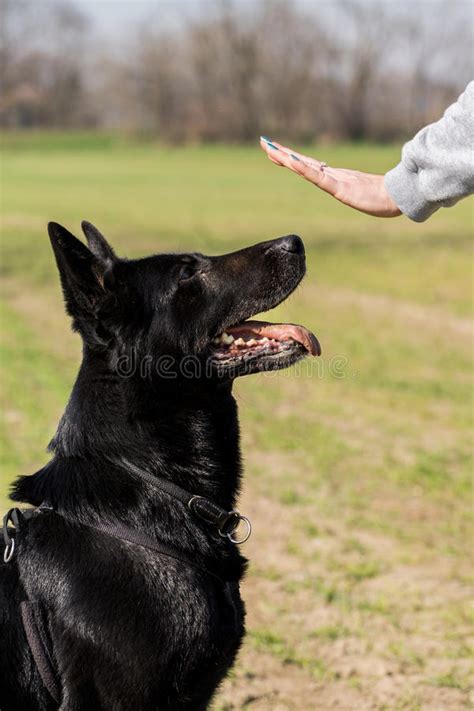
132	629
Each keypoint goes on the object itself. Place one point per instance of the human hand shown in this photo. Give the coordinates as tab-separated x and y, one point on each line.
363	191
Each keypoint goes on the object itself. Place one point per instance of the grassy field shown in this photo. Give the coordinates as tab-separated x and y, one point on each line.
357	467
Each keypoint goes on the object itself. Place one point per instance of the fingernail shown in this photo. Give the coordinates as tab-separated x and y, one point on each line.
295	157
264	138
270	144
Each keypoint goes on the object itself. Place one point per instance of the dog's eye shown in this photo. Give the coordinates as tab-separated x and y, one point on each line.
186	272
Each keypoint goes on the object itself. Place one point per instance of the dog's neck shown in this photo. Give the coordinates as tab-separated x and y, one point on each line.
184	431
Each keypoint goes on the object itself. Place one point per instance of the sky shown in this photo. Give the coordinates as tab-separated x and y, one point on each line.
114	19
112	16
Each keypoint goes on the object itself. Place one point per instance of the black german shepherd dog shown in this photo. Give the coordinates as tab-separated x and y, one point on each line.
119	589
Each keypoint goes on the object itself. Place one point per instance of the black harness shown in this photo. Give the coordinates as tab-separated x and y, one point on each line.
33	616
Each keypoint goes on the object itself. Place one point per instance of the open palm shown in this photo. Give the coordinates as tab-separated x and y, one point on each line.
363	191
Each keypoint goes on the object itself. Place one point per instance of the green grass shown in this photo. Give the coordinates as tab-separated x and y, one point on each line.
452	681
267	641
362	460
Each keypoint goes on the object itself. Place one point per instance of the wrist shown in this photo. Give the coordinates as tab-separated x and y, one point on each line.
388	208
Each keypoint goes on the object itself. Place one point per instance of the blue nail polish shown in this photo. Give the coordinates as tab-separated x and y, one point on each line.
264	138
275	148
295	157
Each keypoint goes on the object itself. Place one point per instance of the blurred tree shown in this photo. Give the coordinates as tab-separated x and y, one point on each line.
353	69
42	77
225	63
292	84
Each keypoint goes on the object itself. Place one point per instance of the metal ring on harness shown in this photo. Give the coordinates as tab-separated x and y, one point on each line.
230	534
9	551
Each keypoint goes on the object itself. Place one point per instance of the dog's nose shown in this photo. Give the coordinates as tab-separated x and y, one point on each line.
291	243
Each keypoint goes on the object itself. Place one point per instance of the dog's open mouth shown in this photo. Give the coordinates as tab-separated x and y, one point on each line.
261	345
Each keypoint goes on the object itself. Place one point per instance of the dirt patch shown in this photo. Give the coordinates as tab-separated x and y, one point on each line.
415	315
318	639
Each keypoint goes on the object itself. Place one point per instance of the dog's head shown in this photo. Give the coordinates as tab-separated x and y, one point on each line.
177	307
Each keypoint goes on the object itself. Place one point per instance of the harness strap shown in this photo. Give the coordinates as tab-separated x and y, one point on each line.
124	533
117	530
226	522
38	641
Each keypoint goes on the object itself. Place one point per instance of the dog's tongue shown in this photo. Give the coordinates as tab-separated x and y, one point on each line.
279	332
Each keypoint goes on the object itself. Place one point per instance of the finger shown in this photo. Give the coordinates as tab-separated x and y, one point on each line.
283	148
291	152
267	147
284	159
317	176
273	147
283	156
313	162
273	154
275	161
278	156
306	159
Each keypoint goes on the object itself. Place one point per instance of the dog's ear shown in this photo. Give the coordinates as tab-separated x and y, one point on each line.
82	272
98	245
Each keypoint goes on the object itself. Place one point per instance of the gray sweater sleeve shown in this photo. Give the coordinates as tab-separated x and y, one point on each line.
437	166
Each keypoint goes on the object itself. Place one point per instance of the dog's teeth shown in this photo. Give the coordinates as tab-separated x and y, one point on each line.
227	339
240	342
252	342
264	339
216	341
